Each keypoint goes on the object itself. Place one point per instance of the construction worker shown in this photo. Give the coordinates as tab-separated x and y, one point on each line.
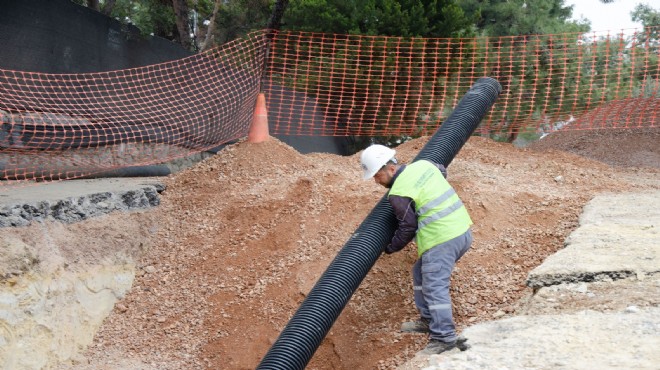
428	210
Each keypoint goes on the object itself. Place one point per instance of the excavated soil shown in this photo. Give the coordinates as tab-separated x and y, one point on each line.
242	237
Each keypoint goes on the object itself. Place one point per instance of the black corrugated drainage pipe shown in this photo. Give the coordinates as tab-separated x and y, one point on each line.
310	324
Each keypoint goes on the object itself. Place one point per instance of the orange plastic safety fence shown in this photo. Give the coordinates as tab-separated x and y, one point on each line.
57	126
324	84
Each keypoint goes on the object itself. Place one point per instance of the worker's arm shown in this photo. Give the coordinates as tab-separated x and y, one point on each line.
404	210
441	168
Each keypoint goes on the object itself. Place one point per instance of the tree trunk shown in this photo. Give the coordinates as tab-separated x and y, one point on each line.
93	4
209	32
108	6
278	12
182	25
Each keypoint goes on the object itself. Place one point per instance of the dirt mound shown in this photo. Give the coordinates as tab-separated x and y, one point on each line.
638	147
246	234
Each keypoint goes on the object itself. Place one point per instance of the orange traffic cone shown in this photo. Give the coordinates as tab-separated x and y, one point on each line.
259	128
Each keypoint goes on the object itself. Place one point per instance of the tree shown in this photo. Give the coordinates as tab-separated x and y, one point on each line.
278	12
237	18
650	20
208	39
177	20
409	18
106	9
522	17
183	23
649	42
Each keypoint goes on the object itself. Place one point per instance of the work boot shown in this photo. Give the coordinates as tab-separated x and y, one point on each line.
417	326
461	343
436	347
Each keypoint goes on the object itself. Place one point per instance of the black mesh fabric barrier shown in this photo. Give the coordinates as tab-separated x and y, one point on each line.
59	36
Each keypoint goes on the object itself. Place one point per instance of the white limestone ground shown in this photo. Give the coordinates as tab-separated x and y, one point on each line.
49	312
619	236
47	318
585	340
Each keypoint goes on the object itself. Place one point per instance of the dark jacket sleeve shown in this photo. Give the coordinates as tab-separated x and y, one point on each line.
442	169
404	210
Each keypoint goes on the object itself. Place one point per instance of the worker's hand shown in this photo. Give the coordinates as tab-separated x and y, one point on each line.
388	249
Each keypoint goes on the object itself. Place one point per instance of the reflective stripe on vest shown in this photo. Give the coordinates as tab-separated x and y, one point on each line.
440	213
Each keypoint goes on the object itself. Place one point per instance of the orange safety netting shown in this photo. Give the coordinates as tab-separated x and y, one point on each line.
56	126
382	86
71	125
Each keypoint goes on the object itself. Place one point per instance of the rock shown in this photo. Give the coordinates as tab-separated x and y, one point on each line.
582	288
631	309
16	257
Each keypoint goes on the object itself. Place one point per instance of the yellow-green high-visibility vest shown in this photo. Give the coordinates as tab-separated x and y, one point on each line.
441	216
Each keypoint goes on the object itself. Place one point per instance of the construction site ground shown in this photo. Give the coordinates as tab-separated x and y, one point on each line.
239	239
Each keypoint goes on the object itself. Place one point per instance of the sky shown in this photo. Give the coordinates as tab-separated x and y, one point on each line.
609	17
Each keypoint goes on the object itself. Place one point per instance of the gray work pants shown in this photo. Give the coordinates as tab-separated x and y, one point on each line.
431	273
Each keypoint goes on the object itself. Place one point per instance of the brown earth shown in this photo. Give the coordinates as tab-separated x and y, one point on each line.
242	237
618	147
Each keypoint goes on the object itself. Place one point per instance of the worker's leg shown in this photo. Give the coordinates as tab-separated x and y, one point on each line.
436	266
420	302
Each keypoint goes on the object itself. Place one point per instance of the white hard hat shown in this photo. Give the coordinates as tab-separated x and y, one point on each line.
374	158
